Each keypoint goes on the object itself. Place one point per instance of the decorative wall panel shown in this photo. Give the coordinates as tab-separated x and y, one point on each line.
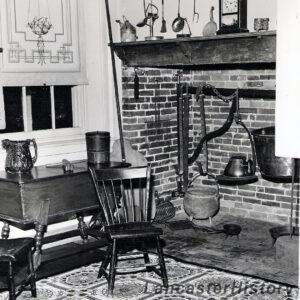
40	36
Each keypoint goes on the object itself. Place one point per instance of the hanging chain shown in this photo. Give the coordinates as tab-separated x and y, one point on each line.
226	99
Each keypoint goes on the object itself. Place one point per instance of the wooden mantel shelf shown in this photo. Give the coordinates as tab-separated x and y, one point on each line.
244	50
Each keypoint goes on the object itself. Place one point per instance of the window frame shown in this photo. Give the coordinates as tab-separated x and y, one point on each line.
53	144
54	138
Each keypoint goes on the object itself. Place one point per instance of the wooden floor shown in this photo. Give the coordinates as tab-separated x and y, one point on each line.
70	256
251	254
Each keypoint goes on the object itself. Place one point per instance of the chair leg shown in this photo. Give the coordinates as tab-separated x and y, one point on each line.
112	270
162	262
147	260
105	262
146	257
32	275
11	281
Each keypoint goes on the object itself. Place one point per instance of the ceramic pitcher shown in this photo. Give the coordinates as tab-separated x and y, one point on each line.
18	155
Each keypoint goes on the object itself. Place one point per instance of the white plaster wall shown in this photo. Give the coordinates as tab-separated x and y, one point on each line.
288	80
98	97
134	13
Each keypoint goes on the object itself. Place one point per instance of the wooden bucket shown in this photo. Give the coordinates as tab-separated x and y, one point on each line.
201	202
98	147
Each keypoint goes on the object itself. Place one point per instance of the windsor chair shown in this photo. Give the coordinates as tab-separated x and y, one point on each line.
123	196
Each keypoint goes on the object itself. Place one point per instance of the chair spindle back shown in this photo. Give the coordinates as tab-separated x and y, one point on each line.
123	193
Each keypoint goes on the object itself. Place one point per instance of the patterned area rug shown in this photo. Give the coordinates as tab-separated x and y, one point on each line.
186	282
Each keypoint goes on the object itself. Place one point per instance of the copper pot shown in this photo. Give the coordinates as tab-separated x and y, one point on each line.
271	166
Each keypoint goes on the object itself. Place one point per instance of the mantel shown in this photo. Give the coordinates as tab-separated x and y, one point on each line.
241	50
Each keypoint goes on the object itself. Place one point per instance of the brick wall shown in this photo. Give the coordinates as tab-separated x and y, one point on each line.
151	125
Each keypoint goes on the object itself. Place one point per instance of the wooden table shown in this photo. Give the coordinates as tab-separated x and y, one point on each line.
71	195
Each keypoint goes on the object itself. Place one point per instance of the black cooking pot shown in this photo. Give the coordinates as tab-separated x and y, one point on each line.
272	167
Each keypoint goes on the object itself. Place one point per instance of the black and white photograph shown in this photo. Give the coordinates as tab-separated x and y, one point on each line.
149	149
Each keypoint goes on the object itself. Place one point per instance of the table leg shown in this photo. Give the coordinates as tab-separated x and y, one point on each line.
82	227
97	221
37	256
5	231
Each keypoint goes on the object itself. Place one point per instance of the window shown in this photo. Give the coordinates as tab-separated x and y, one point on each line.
53	114
36	108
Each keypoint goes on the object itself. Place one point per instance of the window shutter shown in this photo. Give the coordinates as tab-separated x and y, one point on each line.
42	43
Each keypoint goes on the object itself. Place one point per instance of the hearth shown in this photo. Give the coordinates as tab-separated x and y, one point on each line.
200	62
232	229
229	229
260	200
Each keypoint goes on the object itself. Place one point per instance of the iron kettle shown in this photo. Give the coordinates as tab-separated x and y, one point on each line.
238	166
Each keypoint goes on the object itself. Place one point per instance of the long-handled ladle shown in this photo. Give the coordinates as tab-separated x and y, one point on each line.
195	15
179	22
163	22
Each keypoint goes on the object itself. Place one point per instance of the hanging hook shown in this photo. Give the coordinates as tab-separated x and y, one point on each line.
136	82
138	71
178	75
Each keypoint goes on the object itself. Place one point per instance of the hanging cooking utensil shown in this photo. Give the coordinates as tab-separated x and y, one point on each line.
184	35
136	83
151	15
211	27
144	6
195	15
146	17
163	22
143	22
178	23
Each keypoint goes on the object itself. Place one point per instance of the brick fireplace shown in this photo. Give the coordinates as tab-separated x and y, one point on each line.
150	123
244	61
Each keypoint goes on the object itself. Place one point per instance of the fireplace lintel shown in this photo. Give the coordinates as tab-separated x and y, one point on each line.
245	50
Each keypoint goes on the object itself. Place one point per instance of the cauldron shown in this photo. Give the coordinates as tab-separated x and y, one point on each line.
201	202
273	168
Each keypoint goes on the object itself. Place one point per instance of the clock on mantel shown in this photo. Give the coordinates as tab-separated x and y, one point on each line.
232	16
